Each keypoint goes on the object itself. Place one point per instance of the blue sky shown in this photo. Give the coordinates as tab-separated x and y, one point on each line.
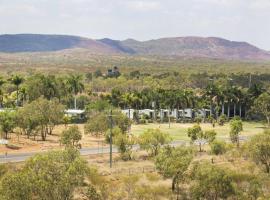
239	20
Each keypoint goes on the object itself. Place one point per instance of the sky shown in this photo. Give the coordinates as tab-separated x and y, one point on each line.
238	20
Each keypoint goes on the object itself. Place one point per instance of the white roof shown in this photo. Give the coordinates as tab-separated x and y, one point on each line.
150	110
74	111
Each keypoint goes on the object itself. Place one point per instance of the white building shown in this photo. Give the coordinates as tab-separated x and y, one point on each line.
129	113
148	112
80	114
186	113
202	113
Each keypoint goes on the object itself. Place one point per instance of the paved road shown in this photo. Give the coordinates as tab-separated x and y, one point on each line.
84	152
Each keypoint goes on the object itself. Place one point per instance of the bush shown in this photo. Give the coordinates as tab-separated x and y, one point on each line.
142	121
222	119
198	120
150	121
218	147
92	193
115	132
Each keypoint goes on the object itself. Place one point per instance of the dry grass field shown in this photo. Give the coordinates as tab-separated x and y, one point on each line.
178	131
22	144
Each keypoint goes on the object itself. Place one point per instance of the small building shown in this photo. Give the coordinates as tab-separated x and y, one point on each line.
148	112
75	113
164	113
204	113
114	72
185	113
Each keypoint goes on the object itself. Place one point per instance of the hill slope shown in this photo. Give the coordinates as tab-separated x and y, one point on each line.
43	43
197	47
177	47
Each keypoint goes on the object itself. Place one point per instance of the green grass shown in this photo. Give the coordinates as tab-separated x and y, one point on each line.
178	131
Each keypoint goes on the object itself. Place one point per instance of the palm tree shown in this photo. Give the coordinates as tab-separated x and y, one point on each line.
212	93
75	86
50	86
17	81
23	94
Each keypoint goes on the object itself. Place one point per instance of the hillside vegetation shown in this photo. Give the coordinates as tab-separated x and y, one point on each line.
189	47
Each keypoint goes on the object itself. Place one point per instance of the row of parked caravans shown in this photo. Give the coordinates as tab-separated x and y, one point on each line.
165	113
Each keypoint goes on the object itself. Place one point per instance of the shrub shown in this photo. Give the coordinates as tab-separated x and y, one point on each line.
198	120
222	119
142	121
218	147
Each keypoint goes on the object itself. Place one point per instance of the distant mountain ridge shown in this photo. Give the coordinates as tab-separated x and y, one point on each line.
42	43
208	47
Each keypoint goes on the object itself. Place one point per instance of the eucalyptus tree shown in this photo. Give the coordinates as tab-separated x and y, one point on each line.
40	116
259	149
75	85
7	122
236	127
52	175
262	106
2	82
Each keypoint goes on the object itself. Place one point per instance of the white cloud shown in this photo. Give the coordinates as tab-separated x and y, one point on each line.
140	5
140	19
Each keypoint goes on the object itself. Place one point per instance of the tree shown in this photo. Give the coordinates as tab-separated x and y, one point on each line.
171	160
173	163
71	137
97	73
92	193
16	186
222	119
26	120
7	122
53	175
99	122
17	81
211	182
115	132
196	134
42	114
152	139
236	126
125	144
75	86
262	106
210	136
98	106
218	147
2	82
259	149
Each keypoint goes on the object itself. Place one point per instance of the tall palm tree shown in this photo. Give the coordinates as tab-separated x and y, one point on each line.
50	86
75	86
17	81
212	93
